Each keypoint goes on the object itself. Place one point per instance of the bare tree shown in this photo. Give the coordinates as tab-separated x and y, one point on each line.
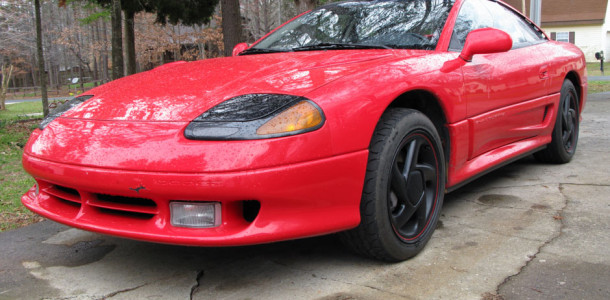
7	72
130	38
117	41
18	38
305	5
40	54
262	16
231	25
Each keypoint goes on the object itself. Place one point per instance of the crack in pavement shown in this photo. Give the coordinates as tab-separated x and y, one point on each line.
311	271
587	184
123	291
560	218
195	287
475	191
366	286
495	205
484	229
339	281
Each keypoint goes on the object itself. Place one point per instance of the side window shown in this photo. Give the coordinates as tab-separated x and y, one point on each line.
473	15
522	33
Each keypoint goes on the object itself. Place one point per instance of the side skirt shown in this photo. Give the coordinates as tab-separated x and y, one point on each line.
496	167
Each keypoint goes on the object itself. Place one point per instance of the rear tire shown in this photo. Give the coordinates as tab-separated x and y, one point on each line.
565	133
403	188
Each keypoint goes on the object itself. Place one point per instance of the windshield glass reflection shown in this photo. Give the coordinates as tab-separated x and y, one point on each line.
384	24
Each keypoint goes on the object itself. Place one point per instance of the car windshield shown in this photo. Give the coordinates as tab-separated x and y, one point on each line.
415	24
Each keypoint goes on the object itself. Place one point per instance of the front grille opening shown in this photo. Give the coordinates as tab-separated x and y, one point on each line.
66	190
68	202
126	200
129	214
251	208
62	193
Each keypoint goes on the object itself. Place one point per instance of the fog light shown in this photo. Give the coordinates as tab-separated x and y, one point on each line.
195	215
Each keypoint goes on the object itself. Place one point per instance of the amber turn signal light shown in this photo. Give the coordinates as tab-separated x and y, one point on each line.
300	116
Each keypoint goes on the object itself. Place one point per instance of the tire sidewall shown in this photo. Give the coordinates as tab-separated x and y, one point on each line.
411	123
557	138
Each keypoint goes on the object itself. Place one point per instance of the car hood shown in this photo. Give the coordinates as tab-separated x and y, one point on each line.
182	91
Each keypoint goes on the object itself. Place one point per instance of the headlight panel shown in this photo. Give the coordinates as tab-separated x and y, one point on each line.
60	110
257	116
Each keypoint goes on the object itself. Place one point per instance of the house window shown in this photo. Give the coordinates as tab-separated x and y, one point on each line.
565	36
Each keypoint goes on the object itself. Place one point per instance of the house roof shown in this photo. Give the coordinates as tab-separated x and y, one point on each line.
567	12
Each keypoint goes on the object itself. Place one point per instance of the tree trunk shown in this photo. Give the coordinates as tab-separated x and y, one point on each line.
105	75
42	76
305	5
130	39
49	68
33	65
7	72
231	25
117	41
94	38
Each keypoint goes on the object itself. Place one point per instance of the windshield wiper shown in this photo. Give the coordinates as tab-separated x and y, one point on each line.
321	46
338	46
261	50
415	46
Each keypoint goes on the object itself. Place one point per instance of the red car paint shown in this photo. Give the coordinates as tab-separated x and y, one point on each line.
128	140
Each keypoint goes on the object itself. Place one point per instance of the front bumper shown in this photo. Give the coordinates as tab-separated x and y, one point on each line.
297	200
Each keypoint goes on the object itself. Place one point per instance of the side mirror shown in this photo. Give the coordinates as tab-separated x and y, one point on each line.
239	48
485	41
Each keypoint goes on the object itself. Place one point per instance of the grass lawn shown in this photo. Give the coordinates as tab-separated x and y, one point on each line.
593	69
599	87
20	111
14	181
87	86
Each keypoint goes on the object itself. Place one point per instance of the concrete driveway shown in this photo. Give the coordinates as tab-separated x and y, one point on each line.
526	231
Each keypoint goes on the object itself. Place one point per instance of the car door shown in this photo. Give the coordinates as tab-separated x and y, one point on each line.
500	86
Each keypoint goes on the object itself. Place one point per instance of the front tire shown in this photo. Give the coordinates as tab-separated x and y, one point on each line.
565	133
403	189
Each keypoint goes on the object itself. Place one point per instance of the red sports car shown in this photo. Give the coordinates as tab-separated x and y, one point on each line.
356	117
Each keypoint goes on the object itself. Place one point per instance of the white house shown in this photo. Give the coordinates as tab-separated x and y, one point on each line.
585	23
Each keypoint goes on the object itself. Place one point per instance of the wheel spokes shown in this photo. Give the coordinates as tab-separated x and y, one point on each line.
413	186
403	215
411	157
428	171
399	186
403	209
422	217
569	123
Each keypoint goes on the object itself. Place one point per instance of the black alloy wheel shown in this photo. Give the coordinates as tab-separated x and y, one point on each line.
413	186
569	122
565	133
403	189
